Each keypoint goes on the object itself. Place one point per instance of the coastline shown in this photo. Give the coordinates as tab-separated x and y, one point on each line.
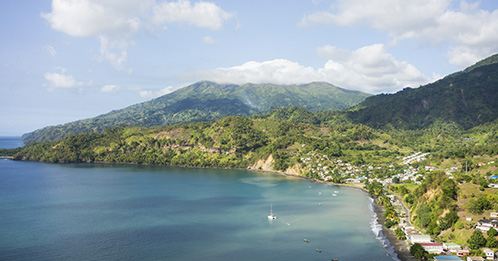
400	247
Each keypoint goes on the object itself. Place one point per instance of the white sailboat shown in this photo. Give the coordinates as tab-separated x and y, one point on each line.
272	216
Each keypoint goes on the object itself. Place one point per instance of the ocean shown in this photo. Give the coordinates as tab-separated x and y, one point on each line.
10	142
131	212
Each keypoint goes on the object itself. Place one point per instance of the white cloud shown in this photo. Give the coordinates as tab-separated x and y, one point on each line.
110	88
149	94
370	69
201	14
51	50
115	23
62	80
208	40
470	31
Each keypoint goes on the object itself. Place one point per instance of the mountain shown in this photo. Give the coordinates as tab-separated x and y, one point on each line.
466	99
204	101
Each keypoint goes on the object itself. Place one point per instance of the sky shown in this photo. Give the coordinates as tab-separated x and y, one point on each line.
66	60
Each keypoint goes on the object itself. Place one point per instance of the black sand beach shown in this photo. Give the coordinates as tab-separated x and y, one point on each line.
400	246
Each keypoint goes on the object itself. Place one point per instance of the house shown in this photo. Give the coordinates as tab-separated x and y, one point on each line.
487	223
490	254
430	168
491	185
475	258
452	247
463	252
433	248
451	258
493	214
420	239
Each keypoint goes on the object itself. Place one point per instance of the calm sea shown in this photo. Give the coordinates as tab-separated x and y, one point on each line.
126	212
10	142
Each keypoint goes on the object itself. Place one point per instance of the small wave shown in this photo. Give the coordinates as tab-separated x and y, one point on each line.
377	230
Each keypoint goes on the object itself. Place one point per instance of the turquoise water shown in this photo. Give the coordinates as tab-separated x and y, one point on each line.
126	212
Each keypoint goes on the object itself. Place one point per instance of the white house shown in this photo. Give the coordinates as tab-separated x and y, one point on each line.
487	223
430	168
433	248
452	247
490	255
420	239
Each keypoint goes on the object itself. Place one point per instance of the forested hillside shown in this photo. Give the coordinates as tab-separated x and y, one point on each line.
466	99
286	135
205	101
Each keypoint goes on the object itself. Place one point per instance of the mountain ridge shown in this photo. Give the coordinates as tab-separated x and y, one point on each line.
467	98
205	101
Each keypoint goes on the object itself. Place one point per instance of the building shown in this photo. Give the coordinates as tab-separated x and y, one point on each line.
430	168
450	258
433	248
487	223
419	239
490	254
475	258
463	252
452	247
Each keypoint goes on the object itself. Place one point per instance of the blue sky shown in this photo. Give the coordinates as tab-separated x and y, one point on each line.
65	60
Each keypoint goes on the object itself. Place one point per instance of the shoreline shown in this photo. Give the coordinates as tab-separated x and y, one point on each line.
400	247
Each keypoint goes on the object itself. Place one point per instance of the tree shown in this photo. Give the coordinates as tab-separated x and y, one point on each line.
400	234
491	242
419	252
449	188
492	232
424	214
478	206
477	240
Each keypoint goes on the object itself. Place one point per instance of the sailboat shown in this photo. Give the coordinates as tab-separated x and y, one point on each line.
272	216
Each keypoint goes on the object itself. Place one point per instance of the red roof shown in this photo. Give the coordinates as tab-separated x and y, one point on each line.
430	244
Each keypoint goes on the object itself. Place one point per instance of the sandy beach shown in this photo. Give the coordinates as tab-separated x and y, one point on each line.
400	246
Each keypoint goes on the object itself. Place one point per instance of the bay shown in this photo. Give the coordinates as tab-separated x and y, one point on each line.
129	212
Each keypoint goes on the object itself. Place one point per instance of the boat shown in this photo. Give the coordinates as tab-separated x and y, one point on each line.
334	195
272	216
306	240
318	250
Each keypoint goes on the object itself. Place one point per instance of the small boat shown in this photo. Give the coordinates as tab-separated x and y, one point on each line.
318	250
334	195
336	191
306	240
272	216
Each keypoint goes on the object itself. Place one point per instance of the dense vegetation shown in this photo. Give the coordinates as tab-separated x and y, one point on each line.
205	101
287	134
468	98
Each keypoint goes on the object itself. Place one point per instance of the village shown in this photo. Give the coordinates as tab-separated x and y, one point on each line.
326	169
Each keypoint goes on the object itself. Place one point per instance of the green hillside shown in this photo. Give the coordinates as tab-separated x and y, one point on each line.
466	99
205	101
